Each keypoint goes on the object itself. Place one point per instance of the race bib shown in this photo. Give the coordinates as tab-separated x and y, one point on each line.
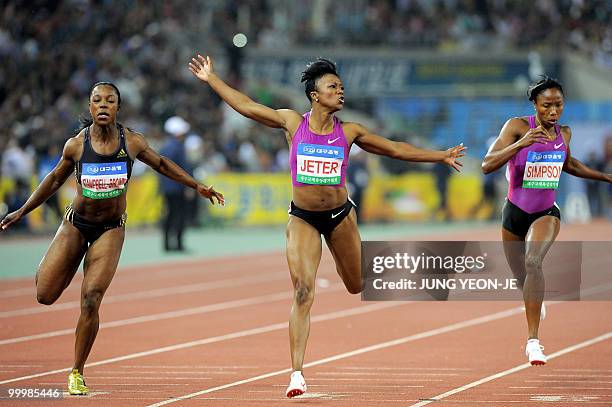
102	181
319	164
543	169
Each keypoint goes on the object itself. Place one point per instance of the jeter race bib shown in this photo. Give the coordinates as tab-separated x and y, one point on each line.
543	169
319	164
104	180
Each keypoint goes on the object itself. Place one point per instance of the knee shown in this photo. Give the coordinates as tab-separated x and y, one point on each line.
45	299
533	263
91	301
45	296
304	294
355	288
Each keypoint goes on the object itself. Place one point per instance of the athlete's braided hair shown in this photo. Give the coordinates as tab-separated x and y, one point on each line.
315	70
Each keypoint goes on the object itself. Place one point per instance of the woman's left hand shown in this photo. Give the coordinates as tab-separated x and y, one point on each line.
210	193
451	157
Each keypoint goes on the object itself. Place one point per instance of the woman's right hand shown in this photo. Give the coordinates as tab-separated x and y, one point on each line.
201	67
10	219
535	135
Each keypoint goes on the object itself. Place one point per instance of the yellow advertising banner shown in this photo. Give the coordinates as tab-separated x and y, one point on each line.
252	199
258	199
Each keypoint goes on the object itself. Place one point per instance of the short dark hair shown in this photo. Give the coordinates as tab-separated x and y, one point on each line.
540	86
112	85
315	70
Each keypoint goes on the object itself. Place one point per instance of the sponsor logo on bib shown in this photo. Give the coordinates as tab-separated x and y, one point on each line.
103	180
319	164
543	169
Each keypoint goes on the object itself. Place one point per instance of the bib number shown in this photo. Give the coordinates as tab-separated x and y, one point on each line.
543	169
319	164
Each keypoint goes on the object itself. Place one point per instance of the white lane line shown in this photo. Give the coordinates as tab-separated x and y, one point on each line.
382	386
164	367
418	369
372	379
234	335
155	293
573	375
383	345
17	292
567	381
542	394
221	306
150	378
126	275
515	369
560	387
582	370
166	372
353	374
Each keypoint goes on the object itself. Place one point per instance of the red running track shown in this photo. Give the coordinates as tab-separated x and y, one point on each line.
215	332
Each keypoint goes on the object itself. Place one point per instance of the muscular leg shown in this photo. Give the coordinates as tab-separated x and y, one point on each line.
100	266
345	246
303	256
540	237
60	263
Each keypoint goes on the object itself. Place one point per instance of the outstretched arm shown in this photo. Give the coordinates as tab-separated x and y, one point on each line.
202	68
576	167
509	142
170	169
376	144
49	185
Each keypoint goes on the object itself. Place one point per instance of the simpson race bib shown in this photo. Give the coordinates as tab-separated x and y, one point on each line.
319	164
543	169
104	180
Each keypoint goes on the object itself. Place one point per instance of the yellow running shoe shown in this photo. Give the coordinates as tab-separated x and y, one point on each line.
76	384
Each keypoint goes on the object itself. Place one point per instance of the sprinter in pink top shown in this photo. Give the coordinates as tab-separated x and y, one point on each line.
320	145
536	149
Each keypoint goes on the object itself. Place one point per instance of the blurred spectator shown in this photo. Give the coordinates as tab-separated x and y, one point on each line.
595	188
18	168
194	155
46	162
357	177
174	193
442	174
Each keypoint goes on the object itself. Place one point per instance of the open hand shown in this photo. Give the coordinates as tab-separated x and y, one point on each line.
9	220
201	67
451	157
210	193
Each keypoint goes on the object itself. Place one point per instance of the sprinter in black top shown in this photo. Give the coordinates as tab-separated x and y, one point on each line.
101	154
105	176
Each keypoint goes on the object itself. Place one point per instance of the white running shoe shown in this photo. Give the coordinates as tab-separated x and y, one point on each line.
533	350
297	385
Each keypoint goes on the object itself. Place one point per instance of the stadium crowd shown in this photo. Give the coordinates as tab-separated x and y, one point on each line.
51	52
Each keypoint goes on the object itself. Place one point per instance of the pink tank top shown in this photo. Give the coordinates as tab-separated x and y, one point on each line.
534	173
319	159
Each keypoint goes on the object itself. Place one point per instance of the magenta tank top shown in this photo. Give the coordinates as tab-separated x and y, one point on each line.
534	173
318	159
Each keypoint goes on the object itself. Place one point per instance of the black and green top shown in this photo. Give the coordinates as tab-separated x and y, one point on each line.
104	176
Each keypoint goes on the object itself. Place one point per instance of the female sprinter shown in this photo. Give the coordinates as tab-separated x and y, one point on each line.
320	145
101	155
536	149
